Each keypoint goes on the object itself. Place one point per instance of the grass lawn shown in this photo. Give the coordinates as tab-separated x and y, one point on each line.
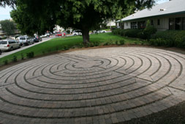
59	44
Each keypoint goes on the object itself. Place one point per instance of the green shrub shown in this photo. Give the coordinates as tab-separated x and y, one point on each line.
158	42
128	32
80	45
14	59
107	43
149	30
66	47
95	43
169	38
30	55
122	42
43	52
141	35
22	56
117	42
5	62
57	48
132	32
136	43
117	31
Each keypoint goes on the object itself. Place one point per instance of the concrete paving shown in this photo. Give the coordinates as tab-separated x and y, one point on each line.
95	86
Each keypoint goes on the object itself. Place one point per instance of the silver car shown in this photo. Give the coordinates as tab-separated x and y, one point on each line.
8	44
24	40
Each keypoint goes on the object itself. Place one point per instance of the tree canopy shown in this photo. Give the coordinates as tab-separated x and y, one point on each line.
8	27
85	15
7	2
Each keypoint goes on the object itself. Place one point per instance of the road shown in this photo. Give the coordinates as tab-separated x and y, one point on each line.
6	53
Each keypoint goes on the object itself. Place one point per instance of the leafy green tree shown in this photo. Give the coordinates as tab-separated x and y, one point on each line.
85	15
27	24
8	27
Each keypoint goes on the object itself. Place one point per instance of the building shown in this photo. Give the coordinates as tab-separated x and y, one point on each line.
1	31
57	28
166	16
111	24
16	31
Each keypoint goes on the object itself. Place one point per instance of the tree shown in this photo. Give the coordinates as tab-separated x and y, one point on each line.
27	24
85	15
7	2
8	27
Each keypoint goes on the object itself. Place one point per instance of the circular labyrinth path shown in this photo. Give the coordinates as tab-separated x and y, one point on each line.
96	86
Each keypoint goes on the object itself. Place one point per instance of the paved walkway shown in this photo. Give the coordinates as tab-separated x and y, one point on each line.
97	86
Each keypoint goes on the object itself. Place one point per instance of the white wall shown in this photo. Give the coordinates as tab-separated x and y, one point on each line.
127	25
164	24
58	28
111	23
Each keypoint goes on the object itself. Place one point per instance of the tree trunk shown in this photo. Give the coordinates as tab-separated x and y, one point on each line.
85	34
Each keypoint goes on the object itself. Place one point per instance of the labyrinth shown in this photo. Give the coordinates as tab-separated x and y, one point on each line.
93	86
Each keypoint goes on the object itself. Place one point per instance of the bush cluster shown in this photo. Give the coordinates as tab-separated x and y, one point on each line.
117	42
127	32
30	55
14	59
169	39
137	33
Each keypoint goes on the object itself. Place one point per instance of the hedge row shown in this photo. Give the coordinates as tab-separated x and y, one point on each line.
128	32
169	38
137	33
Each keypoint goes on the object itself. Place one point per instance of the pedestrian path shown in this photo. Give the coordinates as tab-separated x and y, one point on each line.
94	86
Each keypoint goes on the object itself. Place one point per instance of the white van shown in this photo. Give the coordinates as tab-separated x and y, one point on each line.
24	40
8	44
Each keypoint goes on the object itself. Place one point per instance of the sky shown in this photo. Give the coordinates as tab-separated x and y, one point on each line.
5	12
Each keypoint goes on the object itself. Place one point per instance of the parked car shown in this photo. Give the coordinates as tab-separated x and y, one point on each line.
24	40
9	44
37	39
46	34
30	40
103	31
76	32
99	31
60	34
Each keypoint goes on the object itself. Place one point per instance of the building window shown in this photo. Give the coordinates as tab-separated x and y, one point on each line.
152	22
158	22
177	23
133	25
172	24
183	23
141	24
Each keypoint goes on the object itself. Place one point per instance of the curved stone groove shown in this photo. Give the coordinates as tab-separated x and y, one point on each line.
84	86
